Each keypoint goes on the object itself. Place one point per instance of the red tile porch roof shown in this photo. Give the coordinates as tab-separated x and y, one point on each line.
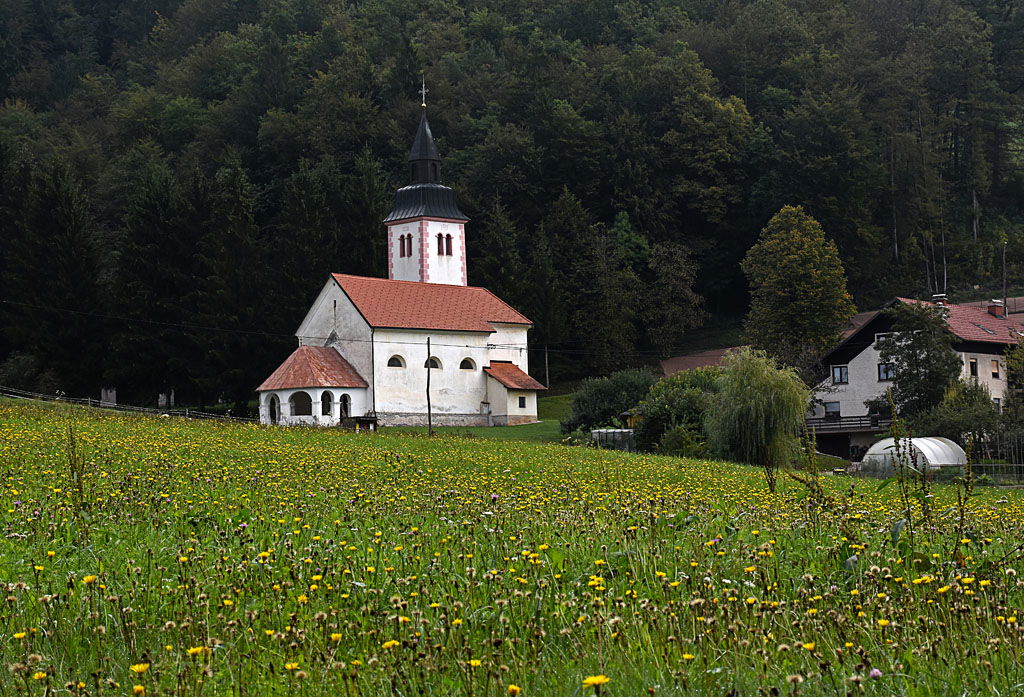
511	376
313	366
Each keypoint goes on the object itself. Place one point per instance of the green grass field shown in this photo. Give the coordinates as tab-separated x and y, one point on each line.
550	411
159	556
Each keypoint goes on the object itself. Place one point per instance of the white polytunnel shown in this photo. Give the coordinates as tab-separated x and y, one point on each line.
930	452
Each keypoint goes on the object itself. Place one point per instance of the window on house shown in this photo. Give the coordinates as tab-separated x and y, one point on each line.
432	363
832	410
522	402
995	369
396	362
467	364
448	245
886	371
998	402
972	366
840	374
882	335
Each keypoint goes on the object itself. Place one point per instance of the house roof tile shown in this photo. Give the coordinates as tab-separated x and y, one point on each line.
512	376
313	366
392	304
970	322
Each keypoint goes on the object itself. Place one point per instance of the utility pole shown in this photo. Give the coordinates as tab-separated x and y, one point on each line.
1006	310
547	373
430	421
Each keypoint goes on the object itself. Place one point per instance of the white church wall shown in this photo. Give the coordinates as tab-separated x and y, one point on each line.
402	268
442	267
333	312
358	405
458	396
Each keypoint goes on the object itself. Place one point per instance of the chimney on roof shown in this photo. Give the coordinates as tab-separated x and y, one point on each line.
939	299
996	308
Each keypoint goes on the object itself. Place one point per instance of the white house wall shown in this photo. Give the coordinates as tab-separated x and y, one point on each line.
864	383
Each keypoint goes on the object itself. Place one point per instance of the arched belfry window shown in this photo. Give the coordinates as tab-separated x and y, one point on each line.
408	245
432	363
467	364
396	361
440	244
448	245
401	246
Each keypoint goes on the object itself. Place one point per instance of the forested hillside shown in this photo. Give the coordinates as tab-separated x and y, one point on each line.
179	177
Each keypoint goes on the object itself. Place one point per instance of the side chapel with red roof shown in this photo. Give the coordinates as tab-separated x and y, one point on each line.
362	351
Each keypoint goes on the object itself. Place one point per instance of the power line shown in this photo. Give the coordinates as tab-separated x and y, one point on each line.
260	332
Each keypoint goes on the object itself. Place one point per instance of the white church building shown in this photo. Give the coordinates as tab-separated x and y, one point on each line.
363	346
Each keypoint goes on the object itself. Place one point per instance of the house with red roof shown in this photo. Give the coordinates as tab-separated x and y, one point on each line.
390	350
845	426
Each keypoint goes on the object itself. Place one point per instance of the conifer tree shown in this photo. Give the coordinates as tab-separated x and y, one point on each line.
799	302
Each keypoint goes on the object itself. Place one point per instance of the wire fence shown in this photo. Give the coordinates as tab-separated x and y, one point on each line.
999	457
99	404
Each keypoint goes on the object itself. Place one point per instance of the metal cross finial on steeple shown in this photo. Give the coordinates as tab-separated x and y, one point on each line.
423	91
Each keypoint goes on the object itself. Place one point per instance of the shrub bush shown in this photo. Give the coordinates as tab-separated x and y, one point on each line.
599	401
678	401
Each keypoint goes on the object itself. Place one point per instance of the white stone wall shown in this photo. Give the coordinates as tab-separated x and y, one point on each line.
864	383
453	390
333	312
426	264
318	395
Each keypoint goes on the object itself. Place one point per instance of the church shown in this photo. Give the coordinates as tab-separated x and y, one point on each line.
388	351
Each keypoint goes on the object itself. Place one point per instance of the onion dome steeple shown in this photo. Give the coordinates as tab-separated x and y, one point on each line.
425	196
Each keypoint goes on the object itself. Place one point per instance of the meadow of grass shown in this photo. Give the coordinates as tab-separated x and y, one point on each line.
160	556
547	429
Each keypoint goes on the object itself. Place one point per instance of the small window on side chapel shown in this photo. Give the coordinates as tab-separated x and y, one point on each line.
522	402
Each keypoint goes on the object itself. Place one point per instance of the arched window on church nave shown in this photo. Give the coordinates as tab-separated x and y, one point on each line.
440	244
396	361
432	363
467	364
325	403
448	245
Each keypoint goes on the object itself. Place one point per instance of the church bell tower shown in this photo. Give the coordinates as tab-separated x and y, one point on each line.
426	229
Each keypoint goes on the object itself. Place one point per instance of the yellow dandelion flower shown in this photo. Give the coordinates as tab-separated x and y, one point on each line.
139	668
39	675
335	637
91	578
389	644
596	680
809	646
139	690
474	662
514	689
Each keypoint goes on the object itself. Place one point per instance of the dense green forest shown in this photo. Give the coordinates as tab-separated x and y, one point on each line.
179	176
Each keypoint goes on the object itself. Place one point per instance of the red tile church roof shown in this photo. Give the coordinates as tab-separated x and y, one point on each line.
414	305
313	366
510	375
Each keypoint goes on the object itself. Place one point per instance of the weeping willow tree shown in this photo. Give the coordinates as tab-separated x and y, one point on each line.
758	413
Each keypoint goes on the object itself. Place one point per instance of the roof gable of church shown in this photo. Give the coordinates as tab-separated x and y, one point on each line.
386	303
